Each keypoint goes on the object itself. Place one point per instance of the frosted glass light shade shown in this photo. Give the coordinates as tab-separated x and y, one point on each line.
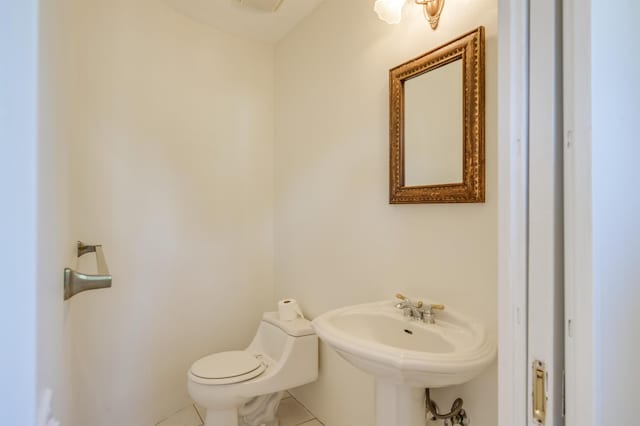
390	11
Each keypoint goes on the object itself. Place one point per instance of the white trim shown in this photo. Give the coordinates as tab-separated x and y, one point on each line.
580	367
513	22
546	258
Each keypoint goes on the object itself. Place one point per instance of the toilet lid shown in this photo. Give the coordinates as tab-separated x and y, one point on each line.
230	367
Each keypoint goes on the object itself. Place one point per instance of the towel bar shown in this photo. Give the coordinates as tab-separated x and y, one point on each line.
76	282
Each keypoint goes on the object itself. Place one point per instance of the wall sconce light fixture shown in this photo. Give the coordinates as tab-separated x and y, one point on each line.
390	11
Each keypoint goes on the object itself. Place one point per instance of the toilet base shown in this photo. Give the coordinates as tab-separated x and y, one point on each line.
261	410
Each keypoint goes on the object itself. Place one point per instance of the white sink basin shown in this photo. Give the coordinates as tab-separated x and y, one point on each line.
378	339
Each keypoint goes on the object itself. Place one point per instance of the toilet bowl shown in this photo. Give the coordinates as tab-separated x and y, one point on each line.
245	387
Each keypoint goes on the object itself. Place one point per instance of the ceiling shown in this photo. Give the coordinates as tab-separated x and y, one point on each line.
232	17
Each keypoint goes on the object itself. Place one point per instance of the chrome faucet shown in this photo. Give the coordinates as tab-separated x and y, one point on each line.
428	316
417	310
408	307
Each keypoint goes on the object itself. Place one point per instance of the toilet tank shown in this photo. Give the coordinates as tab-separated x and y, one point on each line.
273	334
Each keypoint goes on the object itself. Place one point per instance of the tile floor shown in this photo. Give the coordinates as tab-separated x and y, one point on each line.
291	413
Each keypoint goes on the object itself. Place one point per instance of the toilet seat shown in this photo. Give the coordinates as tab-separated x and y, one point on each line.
225	368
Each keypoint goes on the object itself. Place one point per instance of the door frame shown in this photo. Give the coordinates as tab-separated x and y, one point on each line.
579	284
546	209
513	205
513	159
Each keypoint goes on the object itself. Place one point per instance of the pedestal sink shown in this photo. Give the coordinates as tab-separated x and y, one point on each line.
406	355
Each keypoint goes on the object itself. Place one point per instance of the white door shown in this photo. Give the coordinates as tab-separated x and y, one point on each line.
18	204
545	360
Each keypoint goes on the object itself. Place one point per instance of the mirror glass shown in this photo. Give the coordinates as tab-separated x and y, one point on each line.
433	144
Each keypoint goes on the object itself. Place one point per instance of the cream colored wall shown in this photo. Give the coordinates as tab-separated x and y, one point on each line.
172	165
168	129
56	125
338	241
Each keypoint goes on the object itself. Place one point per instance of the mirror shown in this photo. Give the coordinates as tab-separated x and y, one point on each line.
437	125
433	126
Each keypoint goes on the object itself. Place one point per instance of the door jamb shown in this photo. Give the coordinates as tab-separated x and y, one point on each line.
579	325
513	193
513	139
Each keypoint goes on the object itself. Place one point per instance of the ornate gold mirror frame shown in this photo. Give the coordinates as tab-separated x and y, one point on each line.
468	48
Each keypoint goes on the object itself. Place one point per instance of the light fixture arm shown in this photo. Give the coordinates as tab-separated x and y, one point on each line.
432	11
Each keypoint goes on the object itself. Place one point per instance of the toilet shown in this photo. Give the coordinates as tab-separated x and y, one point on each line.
244	388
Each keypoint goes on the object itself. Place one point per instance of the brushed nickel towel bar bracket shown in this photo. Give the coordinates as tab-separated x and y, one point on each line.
76	282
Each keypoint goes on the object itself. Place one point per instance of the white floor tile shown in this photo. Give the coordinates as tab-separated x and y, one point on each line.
292	413
313	422
185	417
201	410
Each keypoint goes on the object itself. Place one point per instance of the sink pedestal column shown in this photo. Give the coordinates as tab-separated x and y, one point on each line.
399	405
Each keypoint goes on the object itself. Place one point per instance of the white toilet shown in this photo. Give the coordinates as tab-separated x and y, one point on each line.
245	387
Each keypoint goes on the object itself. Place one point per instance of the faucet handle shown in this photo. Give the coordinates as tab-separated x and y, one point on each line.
404	305
428	315
419	304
